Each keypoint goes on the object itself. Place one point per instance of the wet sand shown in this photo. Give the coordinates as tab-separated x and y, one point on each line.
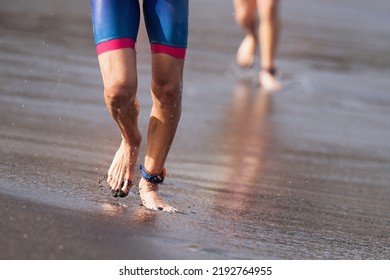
301	174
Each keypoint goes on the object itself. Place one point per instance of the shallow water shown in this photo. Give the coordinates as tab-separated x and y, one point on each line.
301	174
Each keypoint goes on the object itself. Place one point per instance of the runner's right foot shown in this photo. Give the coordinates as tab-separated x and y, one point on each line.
268	81
121	172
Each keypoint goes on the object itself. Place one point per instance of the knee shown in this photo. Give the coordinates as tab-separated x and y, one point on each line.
168	94
245	19
120	93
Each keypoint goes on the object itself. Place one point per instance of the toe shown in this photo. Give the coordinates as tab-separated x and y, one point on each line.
115	193
169	209
109	179
115	186
124	191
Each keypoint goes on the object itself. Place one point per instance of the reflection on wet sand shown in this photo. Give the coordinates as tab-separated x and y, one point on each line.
113	210
144	216
246	134
139	216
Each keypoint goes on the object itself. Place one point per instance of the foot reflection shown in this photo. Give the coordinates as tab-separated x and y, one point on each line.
113	209
144	216
140	215
246	136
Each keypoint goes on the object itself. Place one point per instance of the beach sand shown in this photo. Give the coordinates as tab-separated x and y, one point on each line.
299	174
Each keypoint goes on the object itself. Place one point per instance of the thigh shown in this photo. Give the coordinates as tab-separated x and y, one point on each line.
167	70
119	70
167	24
115	20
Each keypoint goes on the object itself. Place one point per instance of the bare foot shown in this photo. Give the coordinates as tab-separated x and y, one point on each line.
269	82
246	52
151	199
121	172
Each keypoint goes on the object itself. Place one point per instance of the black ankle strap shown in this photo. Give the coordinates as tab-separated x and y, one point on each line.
271	70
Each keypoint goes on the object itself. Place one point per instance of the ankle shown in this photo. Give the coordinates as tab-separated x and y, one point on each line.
270	70
153	178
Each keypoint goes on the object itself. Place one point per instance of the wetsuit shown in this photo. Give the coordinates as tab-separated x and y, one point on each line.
116	22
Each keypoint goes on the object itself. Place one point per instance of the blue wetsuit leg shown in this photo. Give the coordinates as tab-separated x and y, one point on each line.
167	25
115	23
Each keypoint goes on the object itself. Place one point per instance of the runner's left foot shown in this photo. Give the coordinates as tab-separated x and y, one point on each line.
150	197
